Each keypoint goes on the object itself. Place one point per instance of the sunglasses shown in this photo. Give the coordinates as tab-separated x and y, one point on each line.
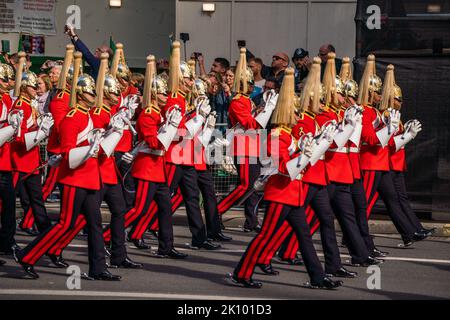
275	58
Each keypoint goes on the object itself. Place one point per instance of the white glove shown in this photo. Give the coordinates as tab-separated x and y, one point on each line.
350	116
174	117
15	119
203	108
54	160
307	145
414	128
271	102
117	123
46	122
293	147
268	94
127	157
395	119
219	143
211	120
296	165
132	103
329	131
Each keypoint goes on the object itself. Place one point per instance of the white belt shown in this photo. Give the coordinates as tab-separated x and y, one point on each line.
339	150
154	152
354	150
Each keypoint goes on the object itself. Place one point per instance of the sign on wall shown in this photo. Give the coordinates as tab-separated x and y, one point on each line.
29	16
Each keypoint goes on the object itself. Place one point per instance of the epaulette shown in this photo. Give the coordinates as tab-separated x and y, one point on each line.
106	108
285	129
151	109
182	93
60	95
71	113
173	95
22	98
19	103
310	114
97	111
236	97
245	95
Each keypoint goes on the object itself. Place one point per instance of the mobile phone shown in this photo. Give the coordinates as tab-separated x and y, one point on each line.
184	37
197	54
242	43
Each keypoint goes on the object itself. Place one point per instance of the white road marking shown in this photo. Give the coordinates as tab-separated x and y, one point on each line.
110	294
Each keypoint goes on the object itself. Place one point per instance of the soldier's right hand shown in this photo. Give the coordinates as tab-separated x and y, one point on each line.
394	120
175	117
127	157
329	132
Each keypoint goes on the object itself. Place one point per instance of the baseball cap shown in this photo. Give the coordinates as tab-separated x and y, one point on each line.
299	53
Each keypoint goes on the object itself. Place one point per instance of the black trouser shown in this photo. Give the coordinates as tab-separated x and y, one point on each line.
74	201
206	186
342	204
276	214
30	194
317	197
381	182
360	203
186	178
399	183
159	192
128	183
248	170
8	211
113	196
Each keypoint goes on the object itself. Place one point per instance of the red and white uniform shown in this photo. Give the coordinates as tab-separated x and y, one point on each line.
23	160
74	131
5	150
397	158
337	161
240	112
58	107
126	142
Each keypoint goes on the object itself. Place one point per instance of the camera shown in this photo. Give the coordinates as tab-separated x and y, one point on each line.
184	37
242	43
197	54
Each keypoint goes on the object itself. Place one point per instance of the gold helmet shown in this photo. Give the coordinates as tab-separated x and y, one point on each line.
71	71
339	84
284	113
200	88
311	93
123	71
186	71
3	72
85	84
160	86
329	80
398	93
119	67
10	72
68	58
244	75
351	88
322	93
111	85
29	79
367	83
375	84
388	93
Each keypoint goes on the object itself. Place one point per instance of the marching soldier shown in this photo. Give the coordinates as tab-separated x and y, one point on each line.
80	176
8	128
25	148
314	187
148	168
108	94
374	152
58	107
246	145
283	191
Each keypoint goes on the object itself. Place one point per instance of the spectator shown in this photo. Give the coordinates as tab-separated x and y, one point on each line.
271	83
280	62
54	74
93	60
221	100
137	80
323	54
302	63
220	66
43	93
256	65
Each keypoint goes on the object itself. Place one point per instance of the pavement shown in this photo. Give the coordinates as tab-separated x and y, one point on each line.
418	272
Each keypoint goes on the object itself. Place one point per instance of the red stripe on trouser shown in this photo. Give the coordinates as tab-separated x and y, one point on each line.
57	230
145	219
153	208
15	176
28	220
369	178
139	207
281	234
177	200
62	243
131	215
260	241
292	248
237	193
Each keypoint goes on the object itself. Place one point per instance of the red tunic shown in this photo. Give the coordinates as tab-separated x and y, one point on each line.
5	150
373	155
353	155
338	164
58	107
73	126
23	160
280	188
240	111
148	166
315	174
397	158
126	142
100	117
